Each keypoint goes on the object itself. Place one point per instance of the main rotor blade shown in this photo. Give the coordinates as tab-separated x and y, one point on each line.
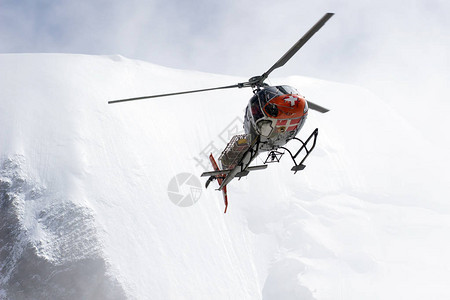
239	85
288	55
317	107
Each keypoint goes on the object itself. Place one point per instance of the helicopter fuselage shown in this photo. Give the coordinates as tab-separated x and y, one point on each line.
273	117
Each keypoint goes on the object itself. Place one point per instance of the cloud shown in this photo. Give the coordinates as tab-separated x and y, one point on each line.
401	52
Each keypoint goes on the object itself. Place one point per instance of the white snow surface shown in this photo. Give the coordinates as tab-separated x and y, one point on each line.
86	213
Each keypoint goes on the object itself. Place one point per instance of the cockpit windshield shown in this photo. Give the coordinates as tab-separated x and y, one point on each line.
286	89
259	101
256	108
271	92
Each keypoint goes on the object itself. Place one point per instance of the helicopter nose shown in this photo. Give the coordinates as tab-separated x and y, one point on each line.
286	107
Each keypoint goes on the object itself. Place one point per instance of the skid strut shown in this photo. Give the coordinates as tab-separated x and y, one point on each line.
275	156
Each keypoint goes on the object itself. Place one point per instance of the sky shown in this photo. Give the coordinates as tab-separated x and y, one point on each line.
398	50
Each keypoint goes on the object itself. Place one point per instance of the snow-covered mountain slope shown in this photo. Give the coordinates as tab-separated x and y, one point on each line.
86	214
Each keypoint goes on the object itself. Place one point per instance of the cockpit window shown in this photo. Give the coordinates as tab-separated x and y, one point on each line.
261	98
256	108
271	92
267	94
286	89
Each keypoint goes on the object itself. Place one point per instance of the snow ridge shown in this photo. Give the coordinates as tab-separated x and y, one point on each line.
47	243
85	212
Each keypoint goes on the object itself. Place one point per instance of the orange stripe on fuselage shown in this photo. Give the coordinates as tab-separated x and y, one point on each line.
289	106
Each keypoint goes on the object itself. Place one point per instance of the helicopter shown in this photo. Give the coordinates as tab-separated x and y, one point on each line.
273	117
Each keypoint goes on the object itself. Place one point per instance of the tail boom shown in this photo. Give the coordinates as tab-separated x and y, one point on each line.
220	178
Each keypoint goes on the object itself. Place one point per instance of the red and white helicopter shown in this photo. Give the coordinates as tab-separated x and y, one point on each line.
273	117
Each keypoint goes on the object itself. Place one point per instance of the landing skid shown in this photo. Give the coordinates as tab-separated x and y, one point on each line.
275	156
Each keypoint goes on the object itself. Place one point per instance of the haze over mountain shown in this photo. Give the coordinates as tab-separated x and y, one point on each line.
86	214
